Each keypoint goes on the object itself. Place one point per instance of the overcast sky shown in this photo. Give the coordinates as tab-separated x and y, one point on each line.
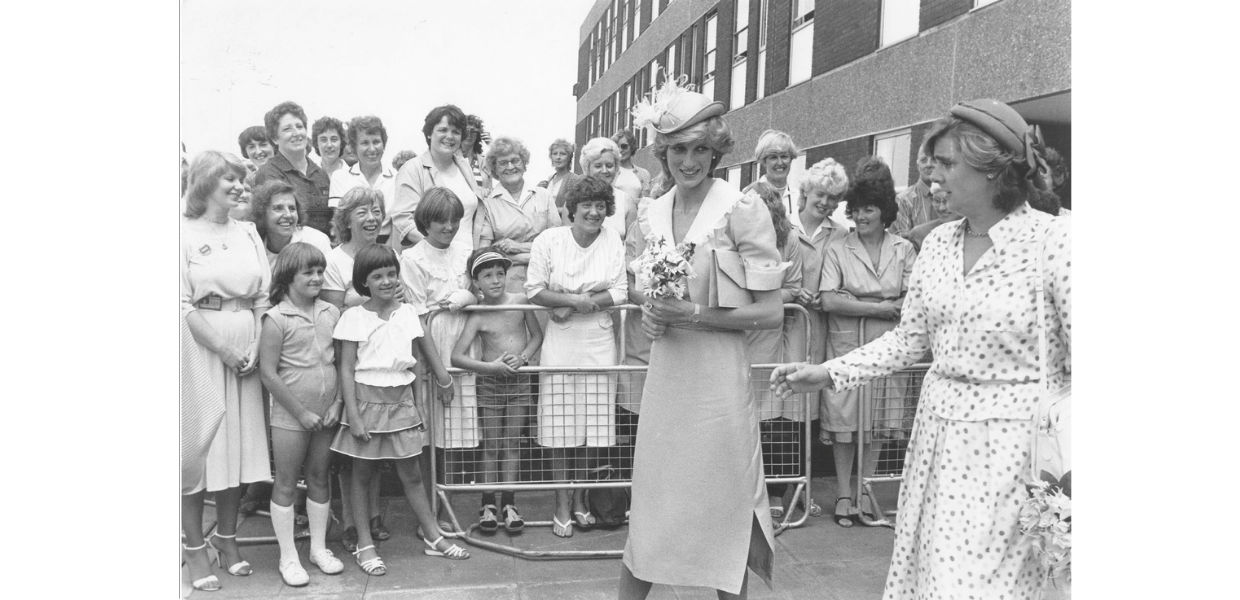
511	62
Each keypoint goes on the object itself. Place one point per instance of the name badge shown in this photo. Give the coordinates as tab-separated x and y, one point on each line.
212	302
204	250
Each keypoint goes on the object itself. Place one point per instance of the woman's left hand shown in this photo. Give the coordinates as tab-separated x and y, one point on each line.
251	361
504	245
669	311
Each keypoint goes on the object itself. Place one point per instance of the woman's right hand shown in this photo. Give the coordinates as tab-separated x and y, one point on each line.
887	310
234	358
561	313
799	378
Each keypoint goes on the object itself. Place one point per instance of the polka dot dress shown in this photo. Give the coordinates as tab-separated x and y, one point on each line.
957	532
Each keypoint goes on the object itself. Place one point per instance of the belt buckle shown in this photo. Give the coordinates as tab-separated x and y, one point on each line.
211	302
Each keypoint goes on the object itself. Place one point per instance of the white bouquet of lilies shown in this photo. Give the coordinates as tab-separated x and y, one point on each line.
662	268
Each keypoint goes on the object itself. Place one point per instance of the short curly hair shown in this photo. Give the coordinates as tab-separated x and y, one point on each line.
826	174
401	158
595	148
503	146
984	153
257	133
369	124
456	118
568	147
260	204
352	199
322	125
203	179
872	185
772	141
271	120
714	132
589	189
627	136
438	204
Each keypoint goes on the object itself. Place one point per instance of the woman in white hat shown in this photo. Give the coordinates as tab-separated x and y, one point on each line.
699	436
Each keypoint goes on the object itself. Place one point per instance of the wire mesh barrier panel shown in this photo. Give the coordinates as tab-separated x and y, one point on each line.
574	427
891	403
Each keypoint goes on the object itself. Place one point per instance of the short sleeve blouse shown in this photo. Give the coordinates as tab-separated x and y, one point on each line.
384	348
226	260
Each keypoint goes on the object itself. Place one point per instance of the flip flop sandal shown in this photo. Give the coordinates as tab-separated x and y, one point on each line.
845	520
564	530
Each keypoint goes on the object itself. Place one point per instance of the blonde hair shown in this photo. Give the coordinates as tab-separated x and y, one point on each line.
204	173
772	141
825	174
595	149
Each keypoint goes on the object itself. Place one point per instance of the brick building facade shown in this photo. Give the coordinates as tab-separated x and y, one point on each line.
846	78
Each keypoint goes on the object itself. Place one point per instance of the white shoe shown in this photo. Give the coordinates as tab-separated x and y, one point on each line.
326	561
294	574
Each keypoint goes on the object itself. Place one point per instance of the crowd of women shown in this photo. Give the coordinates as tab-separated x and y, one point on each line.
308	289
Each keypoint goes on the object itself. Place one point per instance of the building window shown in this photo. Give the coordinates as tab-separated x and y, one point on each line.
672	66
624	33
740	51
733	177
637	17
801	55
981	3
899	21
690	56
893	149
708	71
762	48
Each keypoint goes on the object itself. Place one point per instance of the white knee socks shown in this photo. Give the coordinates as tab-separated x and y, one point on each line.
282	519
319	515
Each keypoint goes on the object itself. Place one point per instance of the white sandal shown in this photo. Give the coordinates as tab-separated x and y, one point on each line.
326	561
294	574
210	583
373	566
453	552
240	569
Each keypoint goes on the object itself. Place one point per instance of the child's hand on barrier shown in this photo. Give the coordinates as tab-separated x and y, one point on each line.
444	393
512	361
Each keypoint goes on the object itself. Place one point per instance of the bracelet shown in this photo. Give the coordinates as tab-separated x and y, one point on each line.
444	387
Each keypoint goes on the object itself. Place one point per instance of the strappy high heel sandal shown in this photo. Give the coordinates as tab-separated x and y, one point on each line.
373	566
453	552
238	569
210	583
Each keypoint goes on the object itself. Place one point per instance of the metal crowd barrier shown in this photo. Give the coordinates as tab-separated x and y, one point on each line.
888	407
602	448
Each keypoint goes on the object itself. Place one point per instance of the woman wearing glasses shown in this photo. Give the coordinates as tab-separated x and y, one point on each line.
513	214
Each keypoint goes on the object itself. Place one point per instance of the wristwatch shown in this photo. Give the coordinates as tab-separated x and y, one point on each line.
524	360
697	313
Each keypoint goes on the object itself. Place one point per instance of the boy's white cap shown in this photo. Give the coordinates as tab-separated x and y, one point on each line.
485	258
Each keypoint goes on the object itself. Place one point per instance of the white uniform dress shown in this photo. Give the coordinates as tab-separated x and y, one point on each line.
576	410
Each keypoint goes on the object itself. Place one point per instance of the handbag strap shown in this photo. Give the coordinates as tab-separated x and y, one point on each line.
1041	416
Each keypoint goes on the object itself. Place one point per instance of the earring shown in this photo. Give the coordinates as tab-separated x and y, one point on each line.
991	176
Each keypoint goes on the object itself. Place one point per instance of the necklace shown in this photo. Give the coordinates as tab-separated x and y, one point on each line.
224	236
970	232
